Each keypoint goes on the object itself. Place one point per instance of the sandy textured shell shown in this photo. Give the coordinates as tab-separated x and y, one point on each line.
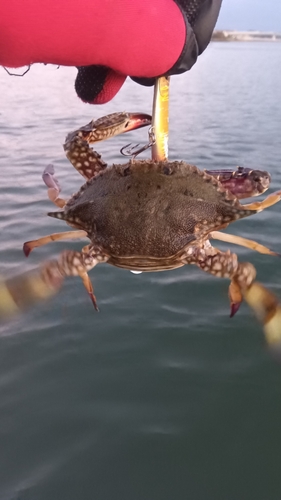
147	208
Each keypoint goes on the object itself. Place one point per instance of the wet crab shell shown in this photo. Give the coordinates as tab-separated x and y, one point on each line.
144	208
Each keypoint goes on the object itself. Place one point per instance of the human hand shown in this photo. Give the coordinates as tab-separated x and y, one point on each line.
107	40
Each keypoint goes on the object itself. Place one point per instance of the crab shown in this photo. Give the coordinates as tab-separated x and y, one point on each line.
144	215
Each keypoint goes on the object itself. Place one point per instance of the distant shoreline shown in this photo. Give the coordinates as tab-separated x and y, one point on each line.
245	36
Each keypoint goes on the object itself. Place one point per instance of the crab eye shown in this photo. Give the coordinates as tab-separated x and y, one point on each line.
240	172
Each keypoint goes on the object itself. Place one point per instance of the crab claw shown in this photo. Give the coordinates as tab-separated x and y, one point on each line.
108	126
49	178
137	120
53	186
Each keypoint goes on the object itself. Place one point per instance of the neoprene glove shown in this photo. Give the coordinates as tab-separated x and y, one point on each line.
107	39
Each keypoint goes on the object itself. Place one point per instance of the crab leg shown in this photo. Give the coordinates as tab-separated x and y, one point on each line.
28	289
235	297
267	202
267	309
53	186
89	287
68	235
71	263
86	248
244	242
224	265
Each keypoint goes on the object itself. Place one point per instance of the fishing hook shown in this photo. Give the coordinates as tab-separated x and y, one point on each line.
130	151
17	74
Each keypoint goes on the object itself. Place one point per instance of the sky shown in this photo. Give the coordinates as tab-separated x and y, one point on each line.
263	15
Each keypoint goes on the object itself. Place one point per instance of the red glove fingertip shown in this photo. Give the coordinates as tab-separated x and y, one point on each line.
98	84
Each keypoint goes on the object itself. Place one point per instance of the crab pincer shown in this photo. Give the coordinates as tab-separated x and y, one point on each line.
53	186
